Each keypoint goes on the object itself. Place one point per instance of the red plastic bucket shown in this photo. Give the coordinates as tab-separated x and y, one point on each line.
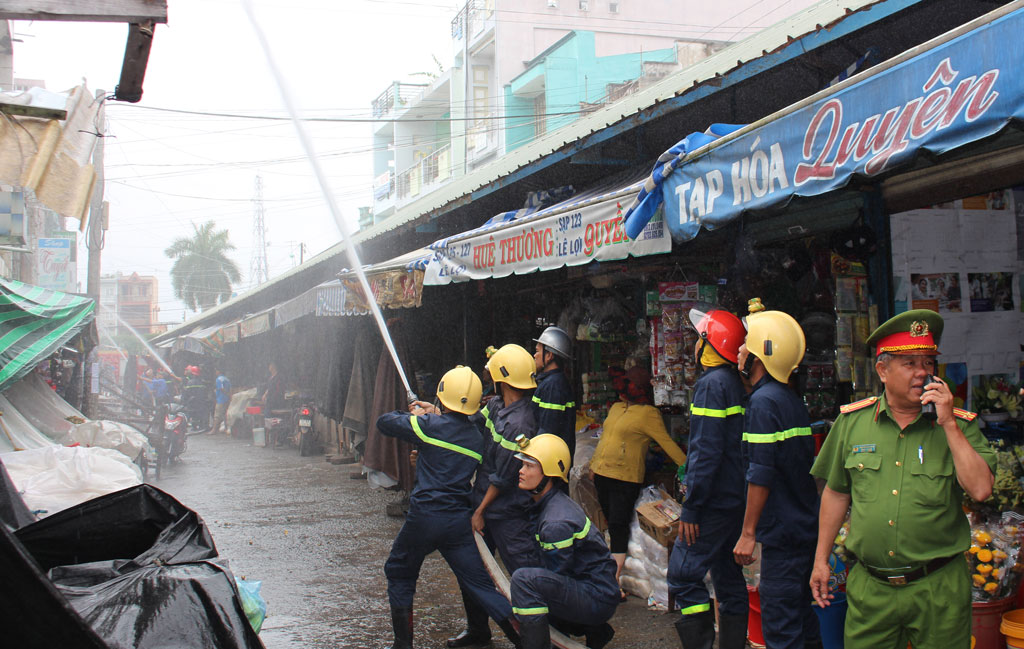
754	634
985	620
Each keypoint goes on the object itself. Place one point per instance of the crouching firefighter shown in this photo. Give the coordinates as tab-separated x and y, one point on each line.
450	449
577	582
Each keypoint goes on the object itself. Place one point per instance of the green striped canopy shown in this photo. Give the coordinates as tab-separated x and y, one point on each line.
35	322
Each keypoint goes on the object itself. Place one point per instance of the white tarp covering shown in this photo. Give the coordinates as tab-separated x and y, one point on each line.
43	407
104	433
16	432
57	477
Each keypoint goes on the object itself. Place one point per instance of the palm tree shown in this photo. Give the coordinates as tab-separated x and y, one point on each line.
202	274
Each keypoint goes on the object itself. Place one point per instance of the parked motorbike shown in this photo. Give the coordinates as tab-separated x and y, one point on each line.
309	438
175	435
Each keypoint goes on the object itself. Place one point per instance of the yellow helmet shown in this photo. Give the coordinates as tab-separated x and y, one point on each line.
460	390
514	365
777	339
549	450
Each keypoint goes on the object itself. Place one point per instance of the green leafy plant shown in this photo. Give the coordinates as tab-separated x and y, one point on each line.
997	395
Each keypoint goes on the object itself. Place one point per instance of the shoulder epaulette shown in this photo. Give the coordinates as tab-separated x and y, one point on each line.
966	415
857	405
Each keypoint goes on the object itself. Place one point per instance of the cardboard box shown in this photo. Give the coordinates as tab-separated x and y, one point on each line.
660	520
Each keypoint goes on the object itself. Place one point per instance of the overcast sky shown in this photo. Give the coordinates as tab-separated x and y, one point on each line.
166	171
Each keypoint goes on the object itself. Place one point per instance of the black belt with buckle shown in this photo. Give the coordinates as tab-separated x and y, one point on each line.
907	577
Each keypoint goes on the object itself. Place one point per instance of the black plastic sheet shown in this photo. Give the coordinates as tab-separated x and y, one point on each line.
136	567
13	511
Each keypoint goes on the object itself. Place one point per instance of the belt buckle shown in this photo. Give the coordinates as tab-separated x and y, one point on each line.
897	580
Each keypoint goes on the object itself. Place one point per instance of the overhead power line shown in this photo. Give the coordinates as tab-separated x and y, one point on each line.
364	120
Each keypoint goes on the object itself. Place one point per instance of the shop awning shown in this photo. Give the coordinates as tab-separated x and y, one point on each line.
327	299
34	322
584	228
256	323
955	89
396	283
207	340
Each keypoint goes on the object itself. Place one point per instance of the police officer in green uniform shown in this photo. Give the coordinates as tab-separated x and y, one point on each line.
904	471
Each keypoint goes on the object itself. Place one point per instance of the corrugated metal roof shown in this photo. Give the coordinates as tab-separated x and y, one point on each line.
770	47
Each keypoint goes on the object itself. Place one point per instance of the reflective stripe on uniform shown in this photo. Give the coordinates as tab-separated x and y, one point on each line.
717	412
781	436
696	608
436	442
558	545
553	406
501	441
539	610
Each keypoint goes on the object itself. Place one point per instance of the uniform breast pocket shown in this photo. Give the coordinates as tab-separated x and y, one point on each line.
932	480
863	468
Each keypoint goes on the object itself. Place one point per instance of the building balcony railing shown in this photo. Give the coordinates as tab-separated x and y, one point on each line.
482	137
435	169
475	17
397	95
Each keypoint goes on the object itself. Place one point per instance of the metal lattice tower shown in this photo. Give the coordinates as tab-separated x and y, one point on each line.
259	271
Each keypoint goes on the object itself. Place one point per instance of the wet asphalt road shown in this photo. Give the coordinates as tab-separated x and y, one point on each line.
317	540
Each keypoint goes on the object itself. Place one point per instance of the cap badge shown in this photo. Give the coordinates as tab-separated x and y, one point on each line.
918	328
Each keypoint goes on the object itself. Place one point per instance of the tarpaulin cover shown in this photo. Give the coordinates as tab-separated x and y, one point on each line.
43	408
16	432
34	322
137	566
13	511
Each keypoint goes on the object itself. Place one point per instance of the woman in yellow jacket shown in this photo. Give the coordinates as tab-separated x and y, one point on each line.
618	462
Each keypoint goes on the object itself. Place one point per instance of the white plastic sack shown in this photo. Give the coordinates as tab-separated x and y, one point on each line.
57	477
659	594
634	586
103	433
236	407
634	566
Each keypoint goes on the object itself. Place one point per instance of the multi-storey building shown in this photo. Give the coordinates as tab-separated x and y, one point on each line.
131	299
524	68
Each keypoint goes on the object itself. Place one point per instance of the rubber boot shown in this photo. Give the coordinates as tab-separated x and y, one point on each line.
401	622
813	644
696	631
508	627
478	630
535	634
732	631
598	636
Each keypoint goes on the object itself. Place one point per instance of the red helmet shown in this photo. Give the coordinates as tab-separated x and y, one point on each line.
193	370
723	331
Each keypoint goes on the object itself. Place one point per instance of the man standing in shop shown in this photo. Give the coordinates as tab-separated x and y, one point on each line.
554	409
222	397
713	511
782	498
904	467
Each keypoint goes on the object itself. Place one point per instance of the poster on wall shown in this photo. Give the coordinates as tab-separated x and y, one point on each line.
991	291
936	291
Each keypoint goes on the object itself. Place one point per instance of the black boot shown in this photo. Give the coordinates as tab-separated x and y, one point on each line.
401	622
813	644
508	627
732	631
478	631
598	636
696	631
535	634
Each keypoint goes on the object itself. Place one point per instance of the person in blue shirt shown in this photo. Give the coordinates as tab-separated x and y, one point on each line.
449	450
576	582
504	515
782	497
712	513
554	407
222	397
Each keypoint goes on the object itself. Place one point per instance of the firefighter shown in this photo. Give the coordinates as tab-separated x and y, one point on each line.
553	406
504	514
449	451
576	582
782	498
712	514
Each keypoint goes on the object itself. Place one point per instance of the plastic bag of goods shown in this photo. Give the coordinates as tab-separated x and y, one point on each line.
57	477
104	433
253	604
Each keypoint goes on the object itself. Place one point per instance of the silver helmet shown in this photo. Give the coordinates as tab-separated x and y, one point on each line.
557	341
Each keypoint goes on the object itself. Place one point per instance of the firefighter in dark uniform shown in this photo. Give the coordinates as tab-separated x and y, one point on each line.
904	471
504	514
712	514
782	497
554	407
577	580
450	450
